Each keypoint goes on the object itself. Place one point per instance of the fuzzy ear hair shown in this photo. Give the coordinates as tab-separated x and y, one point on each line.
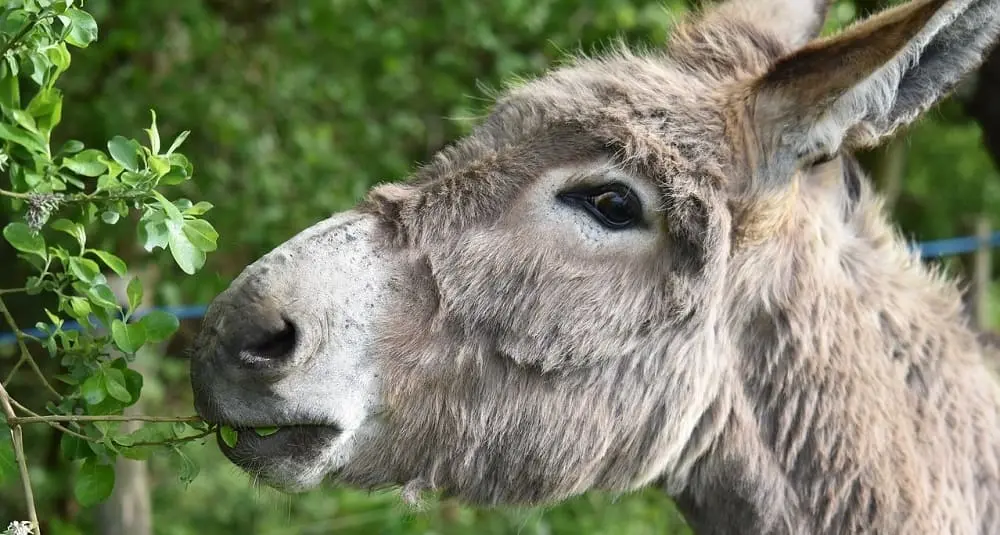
792	22
855	89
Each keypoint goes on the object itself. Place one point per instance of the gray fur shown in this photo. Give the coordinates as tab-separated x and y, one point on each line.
775	359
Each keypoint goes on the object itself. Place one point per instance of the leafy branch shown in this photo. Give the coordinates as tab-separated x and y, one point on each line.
63	197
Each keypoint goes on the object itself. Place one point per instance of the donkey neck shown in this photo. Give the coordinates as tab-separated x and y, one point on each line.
855	408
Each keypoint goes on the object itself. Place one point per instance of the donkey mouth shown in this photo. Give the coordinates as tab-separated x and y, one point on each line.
254	450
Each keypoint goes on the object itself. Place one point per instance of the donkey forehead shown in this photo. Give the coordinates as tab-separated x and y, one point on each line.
641	112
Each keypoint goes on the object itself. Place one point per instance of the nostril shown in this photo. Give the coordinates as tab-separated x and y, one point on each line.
278	346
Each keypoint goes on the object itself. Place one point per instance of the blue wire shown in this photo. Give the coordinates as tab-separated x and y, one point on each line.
182	313
931	249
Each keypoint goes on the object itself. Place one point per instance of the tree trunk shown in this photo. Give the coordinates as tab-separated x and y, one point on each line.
129	511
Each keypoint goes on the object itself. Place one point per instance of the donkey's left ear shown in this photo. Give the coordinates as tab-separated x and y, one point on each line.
852	90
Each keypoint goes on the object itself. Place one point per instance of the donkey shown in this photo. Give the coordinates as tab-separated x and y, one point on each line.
659	269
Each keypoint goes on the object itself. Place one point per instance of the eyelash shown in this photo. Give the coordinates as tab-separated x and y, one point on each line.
613	205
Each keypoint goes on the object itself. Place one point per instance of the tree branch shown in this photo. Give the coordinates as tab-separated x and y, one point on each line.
22	462
53	425
108	418
25	353
15	195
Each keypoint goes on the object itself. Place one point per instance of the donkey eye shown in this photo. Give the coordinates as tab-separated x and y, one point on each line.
613	205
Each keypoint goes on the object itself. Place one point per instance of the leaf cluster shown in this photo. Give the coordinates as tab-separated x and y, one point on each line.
59	197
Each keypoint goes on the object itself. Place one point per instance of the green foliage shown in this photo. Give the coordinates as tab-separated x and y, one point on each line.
94	482
300	107
62	196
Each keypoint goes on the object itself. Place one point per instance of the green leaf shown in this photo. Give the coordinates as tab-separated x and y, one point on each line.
116	264
25	120
154	135
110	217
103	297
133	382
180	170
87	163
131	178
73	229
66	379
92	390
8	462
56	320
189	257
188	469
201	234
80	308
228	435
177	142
22	238
173	213
134	292
32	142
114	381
153	233
10	92
46	108
73	448
125	152
72	146
94	482
159	325
83	28
138	453
84	269
265	431
129	338
159	165
107	183
60	57
147	433
199	209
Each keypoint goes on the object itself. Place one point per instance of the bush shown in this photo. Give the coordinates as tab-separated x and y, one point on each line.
60	196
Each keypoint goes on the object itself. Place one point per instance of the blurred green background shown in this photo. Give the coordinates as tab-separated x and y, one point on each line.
296	109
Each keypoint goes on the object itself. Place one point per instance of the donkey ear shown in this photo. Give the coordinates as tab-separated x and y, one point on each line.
852	90
792	22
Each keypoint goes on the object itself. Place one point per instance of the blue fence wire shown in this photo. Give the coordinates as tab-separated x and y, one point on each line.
928	250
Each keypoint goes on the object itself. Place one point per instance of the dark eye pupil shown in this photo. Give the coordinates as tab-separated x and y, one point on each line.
614	206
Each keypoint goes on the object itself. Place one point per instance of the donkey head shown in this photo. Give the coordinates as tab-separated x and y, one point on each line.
555	303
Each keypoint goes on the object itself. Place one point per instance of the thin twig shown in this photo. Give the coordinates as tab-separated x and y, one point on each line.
82	197
22	463
13	371
108	418
25	354
53	425
12	290
37	417
15	195
172	441
20	35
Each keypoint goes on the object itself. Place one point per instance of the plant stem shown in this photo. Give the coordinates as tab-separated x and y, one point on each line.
13	371
53	425
173	441
109	418
15	195
12	290
20	35
83	197
25	354
22	463
35	417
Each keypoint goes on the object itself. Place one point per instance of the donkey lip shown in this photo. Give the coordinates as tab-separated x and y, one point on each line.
288	441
